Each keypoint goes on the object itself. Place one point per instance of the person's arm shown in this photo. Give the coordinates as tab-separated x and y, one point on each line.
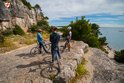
39	36
58	38
50	37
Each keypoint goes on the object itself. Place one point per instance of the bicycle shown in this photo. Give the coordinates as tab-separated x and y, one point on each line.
63	47
51	65
36	50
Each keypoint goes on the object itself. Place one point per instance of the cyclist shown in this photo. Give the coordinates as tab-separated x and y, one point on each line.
54	39
67	43
40	40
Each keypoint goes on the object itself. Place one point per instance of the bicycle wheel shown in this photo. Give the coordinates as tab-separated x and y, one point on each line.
34	51
58	63
56	57
47	46
61	49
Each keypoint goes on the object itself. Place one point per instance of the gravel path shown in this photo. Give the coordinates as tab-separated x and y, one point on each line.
18	66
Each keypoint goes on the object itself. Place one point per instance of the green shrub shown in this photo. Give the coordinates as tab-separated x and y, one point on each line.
18	31
1	39
33	28
95	29
82	30
102	40
8	32
92	41
44	25
119	56
27	4
42	22
80	71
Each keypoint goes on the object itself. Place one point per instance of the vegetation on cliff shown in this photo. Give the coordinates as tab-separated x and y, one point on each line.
14	37
42	23
18	30
119	56
27	4
80	71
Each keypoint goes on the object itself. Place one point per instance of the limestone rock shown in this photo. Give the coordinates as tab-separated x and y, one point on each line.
19	67
18	14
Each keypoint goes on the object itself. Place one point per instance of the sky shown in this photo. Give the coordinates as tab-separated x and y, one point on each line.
106	13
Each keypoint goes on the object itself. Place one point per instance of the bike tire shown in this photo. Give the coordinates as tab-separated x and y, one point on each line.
34	51
48	47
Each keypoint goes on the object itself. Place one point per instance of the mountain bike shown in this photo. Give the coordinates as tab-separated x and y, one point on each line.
63	47
52	64
36	50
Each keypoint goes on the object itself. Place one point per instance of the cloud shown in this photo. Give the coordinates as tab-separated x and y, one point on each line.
111	25
58	9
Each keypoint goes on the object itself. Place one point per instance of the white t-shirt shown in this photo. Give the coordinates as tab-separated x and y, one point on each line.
69	35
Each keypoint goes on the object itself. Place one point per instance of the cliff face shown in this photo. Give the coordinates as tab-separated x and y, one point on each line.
106	70
18	14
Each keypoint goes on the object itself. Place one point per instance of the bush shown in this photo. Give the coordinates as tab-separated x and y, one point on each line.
102	40
92	41
82	30
27	4
119	56
1	39
80	71
8	32
44	25
33	28
18	31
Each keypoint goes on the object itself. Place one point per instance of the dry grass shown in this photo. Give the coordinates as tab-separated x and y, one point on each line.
15	41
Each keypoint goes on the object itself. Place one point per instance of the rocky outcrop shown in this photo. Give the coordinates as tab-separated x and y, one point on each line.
18	14
102	68
19	67
106	70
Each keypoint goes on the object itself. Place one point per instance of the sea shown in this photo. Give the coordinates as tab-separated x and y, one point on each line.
114	36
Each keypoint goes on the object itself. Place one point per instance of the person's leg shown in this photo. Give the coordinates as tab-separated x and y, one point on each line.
58	53
69	46
65	45
52	55
40	46
44	48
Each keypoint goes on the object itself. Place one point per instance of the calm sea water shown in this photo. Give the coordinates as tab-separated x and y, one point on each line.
115	37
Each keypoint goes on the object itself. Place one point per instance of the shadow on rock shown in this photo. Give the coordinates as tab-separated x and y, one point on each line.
24	55
46	60
31	64
48	70
49	73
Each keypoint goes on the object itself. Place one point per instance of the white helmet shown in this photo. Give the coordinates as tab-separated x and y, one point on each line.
69	28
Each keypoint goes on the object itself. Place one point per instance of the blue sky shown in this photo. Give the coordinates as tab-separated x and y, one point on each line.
106	13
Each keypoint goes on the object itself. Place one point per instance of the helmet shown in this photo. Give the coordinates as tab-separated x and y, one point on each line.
69	28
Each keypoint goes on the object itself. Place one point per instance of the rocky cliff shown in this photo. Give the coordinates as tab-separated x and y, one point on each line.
19	67
17	13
